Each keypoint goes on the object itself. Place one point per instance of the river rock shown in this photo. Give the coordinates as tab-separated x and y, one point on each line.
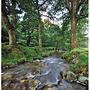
7	76
83	79
70	76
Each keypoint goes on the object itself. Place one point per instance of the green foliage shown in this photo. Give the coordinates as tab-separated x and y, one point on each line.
76	51
11	55
79	50
74	67
23	54
47	51
81	58
30	53
52	35
82	31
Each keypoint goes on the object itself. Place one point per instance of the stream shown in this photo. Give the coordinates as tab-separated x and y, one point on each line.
39	75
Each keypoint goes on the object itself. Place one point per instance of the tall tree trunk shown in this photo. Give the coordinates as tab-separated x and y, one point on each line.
39	36
73	32
39	27
9	25
73	38
73	7
11	32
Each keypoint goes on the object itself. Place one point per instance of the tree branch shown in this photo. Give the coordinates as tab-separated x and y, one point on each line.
68	6
14	12
79	3
42	4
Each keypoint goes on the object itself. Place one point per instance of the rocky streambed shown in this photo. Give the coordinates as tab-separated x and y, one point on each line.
51	73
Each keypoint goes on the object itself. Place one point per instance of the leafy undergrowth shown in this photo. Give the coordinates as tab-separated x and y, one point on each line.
21	54
78	59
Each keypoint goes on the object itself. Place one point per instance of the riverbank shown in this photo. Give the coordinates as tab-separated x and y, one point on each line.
77	59
21	54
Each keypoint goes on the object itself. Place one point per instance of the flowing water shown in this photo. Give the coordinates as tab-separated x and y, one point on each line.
40	75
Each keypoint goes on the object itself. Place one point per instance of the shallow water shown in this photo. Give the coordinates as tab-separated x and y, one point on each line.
43	75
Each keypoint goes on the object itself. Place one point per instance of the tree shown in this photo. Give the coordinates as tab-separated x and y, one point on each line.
32	9
74	7
39	25
52	35
39	7
9	16
10	27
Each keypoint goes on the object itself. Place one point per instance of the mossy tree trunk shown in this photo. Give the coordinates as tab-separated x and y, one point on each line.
73	8
12	39
39	27
10	26
39	36
73	37
11	32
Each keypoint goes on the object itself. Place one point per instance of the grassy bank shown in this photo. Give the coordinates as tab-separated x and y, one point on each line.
20	54
78	59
